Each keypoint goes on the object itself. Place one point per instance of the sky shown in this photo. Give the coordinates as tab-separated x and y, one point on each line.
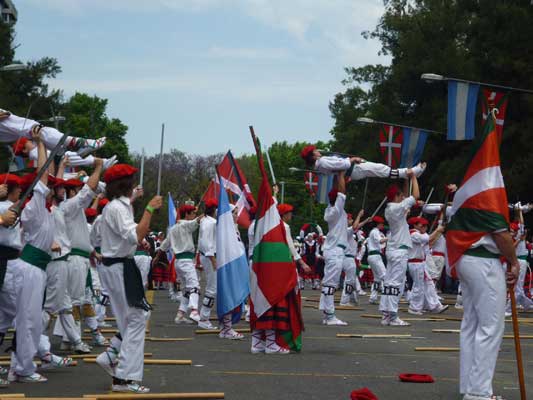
206	68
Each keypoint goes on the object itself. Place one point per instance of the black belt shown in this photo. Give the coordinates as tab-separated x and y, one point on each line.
6	254
133	284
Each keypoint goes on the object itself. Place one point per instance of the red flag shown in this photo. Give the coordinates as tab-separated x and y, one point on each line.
311	182
493	99
212	191
390	144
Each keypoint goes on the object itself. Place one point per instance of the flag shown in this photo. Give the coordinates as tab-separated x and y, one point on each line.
234	180
413	144
497	100
172	218
480	204
462	102
273	274
390	144
311	182
212	192
325	184
233	272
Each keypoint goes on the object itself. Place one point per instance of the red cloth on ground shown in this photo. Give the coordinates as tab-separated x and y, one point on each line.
363	394
416	378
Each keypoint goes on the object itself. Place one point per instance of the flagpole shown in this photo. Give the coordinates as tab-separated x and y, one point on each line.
435	77
294	169
365	120
427	201
379	208
518	349
160	160
364	194
141	180
270	167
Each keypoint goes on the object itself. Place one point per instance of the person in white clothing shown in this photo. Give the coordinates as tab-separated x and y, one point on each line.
180	241
124	359
207	247
398	245
376	239
355	167
349	267
334	247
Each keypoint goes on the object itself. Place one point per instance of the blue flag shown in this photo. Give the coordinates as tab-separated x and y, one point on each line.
413	144
172	214
233	272
462	102
325	184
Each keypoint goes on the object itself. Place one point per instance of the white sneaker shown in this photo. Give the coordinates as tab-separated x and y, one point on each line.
276	349
385	320
3	371
81	348
132	387
475	397
4	383
414	312
104	324
259	347
56	362
108	360
508	314
33	378
334	321
206	325
182	319
373	301
231	334
398	322
458	306
361	293
99	340
440	309
194	315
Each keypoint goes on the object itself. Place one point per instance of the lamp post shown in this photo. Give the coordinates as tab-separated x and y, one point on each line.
13	67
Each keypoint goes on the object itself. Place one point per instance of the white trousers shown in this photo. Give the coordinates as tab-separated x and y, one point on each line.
369	169
21	299
484	291
143	263
521	298
57	298
416	300
393	282
77	278
189	284
334	260
349	290
131	323
435	266
378	271
210	291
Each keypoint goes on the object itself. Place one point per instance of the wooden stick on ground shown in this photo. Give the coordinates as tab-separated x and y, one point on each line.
518	349
207	395
373	335
167	339
152	361
217	331
38	363
436	348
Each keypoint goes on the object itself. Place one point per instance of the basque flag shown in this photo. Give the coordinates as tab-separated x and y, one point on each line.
462	101
413	144
233	272
325	184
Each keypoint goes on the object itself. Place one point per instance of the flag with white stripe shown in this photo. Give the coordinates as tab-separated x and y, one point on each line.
498	100
325	184
390	144
462	102
414	141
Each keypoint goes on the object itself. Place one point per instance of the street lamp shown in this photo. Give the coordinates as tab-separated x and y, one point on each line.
365	120
56	119
432	77
13	67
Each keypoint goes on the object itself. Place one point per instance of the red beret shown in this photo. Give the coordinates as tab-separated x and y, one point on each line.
284	208
102	203
59	182
19	145
26	180
90	212
392	191
332	195
73	183
52	180
422	221
412	220
9	179
362	394
378	220
119	171
186	208
514	226
211	203
307	151
416	378
350	216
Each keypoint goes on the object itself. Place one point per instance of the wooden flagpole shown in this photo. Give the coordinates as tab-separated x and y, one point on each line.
364	194
518	349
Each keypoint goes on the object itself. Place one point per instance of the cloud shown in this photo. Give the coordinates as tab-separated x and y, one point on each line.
247	53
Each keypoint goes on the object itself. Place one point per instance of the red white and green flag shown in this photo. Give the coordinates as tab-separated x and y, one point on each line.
390	145
480	204
273	275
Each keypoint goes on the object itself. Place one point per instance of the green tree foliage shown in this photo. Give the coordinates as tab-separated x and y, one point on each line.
478	40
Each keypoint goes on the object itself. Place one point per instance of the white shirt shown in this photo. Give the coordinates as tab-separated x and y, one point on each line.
295	255
207	242
60	235
351	248
180	237
96	232
74	211
521	249
420	242
374	240
337	221
118	229
330	164
488	242
10	237
37	221
439	245
395	214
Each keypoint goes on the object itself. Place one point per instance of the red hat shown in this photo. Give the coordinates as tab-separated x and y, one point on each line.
91	212
332	195
18	147
26	180
119	171
102	203
514	226
362	394
422	221
416	378
392	191
58	182
307	151
186	208
378	220
211	203
52	180
73	183
350	216
284	209
9	179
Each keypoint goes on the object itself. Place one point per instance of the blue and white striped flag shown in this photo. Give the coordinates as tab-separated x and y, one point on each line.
233	272
413	144
462	102
325	184
172	213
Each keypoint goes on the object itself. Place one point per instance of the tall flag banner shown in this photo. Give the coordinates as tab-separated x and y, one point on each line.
233	272
462	102
498	100
414	141
311	182
273	274
324	186
234	180
390	145
480	204
212	192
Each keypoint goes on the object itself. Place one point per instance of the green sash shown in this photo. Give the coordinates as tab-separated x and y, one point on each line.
34	256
